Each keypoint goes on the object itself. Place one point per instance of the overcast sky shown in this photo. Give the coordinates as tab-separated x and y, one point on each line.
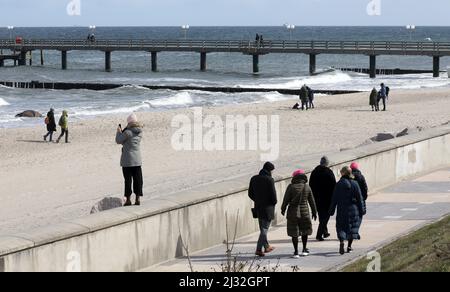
223	12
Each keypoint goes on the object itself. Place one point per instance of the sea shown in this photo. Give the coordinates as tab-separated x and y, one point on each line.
133	69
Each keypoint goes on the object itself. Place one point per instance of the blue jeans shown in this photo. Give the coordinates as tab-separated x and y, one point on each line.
264	226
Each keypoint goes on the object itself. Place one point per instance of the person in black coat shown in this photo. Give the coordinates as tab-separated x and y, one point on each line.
51	124
310	97
361	180
322	183
262	192
348	200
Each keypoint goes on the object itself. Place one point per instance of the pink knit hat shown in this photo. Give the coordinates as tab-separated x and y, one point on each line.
132	119
354	166
298	172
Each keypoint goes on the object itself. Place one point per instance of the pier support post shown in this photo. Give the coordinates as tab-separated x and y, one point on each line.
108	61
64	60
154	61
373	66
2	62
312	64
255	63
31	58
23	58
203	61
436	66
42	57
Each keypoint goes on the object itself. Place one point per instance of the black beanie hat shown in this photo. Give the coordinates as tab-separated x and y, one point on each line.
269	166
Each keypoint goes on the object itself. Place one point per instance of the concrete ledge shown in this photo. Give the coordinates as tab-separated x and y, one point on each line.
132	238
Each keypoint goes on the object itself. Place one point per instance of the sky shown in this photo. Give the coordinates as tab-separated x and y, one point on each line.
41	13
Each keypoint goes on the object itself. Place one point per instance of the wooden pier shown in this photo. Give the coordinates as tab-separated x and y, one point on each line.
435	50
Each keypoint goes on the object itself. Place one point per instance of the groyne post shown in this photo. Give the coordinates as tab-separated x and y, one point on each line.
203	61
373	66
436	66
154	61
42	57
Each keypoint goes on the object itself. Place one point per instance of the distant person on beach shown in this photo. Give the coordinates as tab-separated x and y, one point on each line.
262	192
383	96
348	200
310	97
373	101
131	160
64	124
299	224
261	41
304	97
322	183
257	39
361	180
51	125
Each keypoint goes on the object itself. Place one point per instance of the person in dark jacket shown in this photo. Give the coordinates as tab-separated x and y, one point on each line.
298	196
361	180
348	200
373	101
51	125
131	160
304	97
322	183
310	97
262	192
383	96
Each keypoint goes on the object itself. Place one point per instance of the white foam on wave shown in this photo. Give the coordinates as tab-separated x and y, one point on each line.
3	102
179	99
275	96
120	110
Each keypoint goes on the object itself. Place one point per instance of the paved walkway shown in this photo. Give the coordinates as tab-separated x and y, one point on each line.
392	213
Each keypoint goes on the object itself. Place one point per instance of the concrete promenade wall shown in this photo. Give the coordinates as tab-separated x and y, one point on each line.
133	238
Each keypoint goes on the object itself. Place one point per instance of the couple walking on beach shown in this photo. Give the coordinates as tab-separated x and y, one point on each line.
51	126
377	96
323	196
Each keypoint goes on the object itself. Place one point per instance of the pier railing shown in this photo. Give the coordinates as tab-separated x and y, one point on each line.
269	46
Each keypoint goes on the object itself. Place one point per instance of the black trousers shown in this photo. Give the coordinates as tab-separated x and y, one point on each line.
384	103
133	177
64	132
324	218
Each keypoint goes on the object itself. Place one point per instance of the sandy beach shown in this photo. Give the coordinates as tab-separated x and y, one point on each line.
43	183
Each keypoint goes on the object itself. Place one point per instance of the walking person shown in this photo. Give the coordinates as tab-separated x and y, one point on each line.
348	200
262	192
298	196
322	183
304	97
64	124
257	39
361	180
373	101
51	125
131	160
383	96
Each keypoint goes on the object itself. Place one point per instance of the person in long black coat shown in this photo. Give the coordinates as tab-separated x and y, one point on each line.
322	183
51	124
360	179
262	191
348	200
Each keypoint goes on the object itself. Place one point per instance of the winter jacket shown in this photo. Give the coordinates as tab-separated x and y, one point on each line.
130	138
304	94
51	126
262	192
350	209
361	180
322	183
298	196
64	121
373	97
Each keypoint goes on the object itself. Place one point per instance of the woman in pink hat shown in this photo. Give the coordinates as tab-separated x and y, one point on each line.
298	196
131	160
